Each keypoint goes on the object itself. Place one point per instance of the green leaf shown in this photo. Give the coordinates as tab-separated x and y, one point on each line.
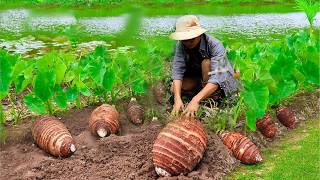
282	68
6	69
60	69
139	86
97	70
44	84
72	93
84	90
35	104
109	79
311	71
60	97
256	98
283	90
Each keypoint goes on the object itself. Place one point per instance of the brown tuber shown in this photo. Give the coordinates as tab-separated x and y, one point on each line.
104	120
52	136
266	126
286	117
179	147
159	92
135	112
242	148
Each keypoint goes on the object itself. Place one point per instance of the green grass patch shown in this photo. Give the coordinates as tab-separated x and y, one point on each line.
295	156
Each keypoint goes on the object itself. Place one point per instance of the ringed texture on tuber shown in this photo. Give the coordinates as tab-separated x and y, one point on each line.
51	135
179	147
135	112
286	117
242	148
159	92
104	120
266	126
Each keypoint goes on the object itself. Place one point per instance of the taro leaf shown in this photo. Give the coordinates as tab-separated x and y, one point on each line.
109	79
282	68
284	89
35	104
44	84
311	70
84	90
256	98
139	86
46	62
100	51
72	93
22	81
7	63
19	68
60	97
60	69
97	70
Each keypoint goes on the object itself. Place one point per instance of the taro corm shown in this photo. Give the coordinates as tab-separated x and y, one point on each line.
266	126
52	136
286	117
159	92
104	120
135	112
242	148
179	147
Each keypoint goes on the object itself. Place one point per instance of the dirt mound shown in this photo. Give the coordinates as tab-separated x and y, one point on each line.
123	156
126	155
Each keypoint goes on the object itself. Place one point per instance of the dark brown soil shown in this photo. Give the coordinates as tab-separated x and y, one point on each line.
126	155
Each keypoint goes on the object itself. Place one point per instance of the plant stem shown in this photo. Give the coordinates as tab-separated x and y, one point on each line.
78	102
13	109
49	105
1	114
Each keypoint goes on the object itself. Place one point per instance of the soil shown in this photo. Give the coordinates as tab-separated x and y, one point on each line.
126	155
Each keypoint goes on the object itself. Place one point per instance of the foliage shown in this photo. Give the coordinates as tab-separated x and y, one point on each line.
310	7
273	72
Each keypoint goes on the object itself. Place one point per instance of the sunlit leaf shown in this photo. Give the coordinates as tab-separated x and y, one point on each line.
44	84
35	104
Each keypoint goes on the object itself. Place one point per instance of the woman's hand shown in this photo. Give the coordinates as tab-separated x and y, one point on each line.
177	107
191	109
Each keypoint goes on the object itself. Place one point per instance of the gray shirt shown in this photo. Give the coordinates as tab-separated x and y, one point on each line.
221	70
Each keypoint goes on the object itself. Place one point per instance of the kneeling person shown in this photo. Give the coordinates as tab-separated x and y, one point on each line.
200	67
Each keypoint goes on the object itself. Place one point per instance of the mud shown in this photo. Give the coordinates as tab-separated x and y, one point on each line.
126	155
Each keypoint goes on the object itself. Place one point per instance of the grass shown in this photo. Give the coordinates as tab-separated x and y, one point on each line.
295	156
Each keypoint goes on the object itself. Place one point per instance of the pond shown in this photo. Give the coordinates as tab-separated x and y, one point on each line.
39	30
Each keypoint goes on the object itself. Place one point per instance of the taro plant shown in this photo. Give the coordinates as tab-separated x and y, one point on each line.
46	85
310	8
7	63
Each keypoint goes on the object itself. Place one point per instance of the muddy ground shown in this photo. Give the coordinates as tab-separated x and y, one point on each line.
126	155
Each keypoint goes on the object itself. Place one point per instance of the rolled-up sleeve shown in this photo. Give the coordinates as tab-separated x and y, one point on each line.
178	64
221	70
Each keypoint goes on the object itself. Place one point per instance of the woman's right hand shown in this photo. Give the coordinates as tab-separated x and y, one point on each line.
177	107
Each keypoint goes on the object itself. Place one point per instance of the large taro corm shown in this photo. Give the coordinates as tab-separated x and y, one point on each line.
104	120
51	135
242	147
179	147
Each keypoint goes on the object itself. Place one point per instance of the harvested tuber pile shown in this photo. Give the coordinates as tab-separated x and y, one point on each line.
286	117
52	136
179	147
266	126
135	112
242	148
104	120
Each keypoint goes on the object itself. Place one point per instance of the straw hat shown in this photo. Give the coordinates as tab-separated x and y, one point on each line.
187	27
